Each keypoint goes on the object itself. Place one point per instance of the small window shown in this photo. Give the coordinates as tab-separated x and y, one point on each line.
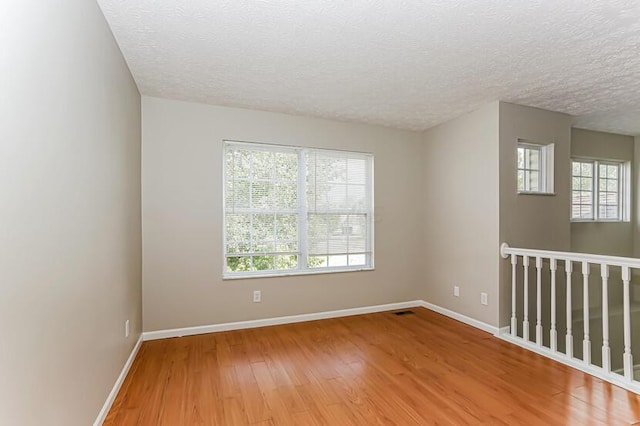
534	168
599	190
293	210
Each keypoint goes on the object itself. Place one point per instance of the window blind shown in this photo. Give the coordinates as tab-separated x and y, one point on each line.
294	209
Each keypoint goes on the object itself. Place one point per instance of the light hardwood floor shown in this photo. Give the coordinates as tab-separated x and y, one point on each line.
381	368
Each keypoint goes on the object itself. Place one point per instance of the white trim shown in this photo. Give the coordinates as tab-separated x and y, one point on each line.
631	262
116	387
573	362
203	329
459	317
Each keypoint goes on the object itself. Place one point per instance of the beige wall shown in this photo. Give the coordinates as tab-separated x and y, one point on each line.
460	226
611	238
532	221
69	212
182	215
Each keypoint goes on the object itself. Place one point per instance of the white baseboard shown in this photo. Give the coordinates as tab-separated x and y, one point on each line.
116	387
203	329
459	317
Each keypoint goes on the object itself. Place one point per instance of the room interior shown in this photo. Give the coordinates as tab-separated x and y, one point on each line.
114	116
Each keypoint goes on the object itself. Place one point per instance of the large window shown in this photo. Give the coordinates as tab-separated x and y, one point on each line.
534	168
599	190
296	210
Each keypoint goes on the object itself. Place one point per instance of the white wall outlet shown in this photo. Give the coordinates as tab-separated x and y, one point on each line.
484	298
257	296
127	329
456	291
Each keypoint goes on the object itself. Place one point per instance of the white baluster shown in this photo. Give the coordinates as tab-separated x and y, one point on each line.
627	357
586	344
568	266
514	321
525	322
553	334
539	301
606	350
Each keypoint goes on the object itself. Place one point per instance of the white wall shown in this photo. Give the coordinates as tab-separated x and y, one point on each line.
460	224
182	216
69	212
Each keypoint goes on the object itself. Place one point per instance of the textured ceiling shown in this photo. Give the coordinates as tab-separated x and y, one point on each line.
409	64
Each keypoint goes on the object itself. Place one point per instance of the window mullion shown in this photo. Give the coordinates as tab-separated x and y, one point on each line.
596	191
302	210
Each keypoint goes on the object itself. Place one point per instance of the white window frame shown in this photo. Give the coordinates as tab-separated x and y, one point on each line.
546	170
302	211
624	190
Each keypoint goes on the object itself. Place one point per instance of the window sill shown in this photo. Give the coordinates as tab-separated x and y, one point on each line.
293	273
536	193
599	221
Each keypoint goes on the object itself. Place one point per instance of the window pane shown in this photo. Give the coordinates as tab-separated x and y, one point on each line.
587	169
357	171
575	197
238	163
575	183
338	261
286	262
585	184
238	227
612	185
575	168
287	196
317	261
263	165
262	195
586	197
521	180
521	158
533	181
287	167
263	263
263	227
287	227
534	159
575	211
238	263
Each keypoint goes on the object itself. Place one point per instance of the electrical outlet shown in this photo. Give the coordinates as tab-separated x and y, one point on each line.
484	298
456	291
127	330
257	296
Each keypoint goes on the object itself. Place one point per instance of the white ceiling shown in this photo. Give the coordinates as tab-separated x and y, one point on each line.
408	64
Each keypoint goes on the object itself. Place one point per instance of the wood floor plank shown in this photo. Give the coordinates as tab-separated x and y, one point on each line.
375	369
